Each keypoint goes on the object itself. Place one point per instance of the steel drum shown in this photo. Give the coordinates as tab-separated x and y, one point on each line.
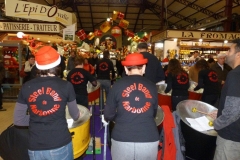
199	145
93	92
80	131
159	117
163	98
194	95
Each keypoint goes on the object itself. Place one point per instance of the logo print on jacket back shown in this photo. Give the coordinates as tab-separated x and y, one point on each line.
212	76
182	78
44	91
103	66
77	78
127	95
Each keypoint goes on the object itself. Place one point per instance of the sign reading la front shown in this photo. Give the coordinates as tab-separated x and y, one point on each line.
28	10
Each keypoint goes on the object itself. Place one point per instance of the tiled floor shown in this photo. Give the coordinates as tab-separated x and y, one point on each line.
6	117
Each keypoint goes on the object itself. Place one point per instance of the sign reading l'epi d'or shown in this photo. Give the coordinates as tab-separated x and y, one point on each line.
28	10
31	27
195	35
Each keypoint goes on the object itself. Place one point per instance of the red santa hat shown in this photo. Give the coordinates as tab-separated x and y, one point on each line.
47	58
134	59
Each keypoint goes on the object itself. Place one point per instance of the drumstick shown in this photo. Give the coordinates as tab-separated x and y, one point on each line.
195	110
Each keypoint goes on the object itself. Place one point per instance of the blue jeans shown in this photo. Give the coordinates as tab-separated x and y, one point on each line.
62	153
105	84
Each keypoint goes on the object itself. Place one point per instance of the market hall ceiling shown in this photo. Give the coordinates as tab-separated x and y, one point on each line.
145	15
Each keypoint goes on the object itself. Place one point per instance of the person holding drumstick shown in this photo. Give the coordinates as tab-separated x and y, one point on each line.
45	97
132	104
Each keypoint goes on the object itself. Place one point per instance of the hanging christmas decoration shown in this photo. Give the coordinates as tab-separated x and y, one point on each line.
97	32
116	31
123	23
90	36
136	38
115	15
105	26
81	34
120	15
129	33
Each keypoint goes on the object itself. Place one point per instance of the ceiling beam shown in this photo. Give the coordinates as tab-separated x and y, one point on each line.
91	14
47	2
182	8
135	25
201	9
78	16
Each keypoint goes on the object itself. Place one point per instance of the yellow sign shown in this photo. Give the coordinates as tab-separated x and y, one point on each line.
28	10
209	35
30	27
203	35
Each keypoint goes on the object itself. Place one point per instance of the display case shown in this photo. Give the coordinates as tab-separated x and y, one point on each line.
205	51
11	55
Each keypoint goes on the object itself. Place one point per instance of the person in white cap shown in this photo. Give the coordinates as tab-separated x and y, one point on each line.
132	104
221	68
45	97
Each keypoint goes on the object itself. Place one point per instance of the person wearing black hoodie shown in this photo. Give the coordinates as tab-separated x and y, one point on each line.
154	71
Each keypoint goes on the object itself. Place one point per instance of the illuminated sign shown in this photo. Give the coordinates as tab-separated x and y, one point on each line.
30	27
195	35
28	10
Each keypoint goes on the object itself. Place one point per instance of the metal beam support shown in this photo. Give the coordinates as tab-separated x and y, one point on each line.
182	8
135	25
91	14
228	14
78	16
200	9
47	2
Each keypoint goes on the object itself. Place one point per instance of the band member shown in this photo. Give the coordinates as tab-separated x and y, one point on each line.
132	104
46	97
178	82
79	78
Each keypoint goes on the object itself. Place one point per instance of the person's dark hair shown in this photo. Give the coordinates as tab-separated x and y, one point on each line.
55	70
237	47
55	47
78	60
211	60
106	54
31	56
142	46
174	67
202	64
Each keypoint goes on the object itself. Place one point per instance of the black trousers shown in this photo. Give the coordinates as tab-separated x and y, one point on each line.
82	100
176	100
210	99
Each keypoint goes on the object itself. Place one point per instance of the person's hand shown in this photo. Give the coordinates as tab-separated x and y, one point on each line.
223	82
105	123
213	114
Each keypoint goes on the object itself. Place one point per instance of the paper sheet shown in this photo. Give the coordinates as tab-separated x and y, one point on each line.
200	124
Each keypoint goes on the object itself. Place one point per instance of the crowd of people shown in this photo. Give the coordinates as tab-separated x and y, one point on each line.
131	102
